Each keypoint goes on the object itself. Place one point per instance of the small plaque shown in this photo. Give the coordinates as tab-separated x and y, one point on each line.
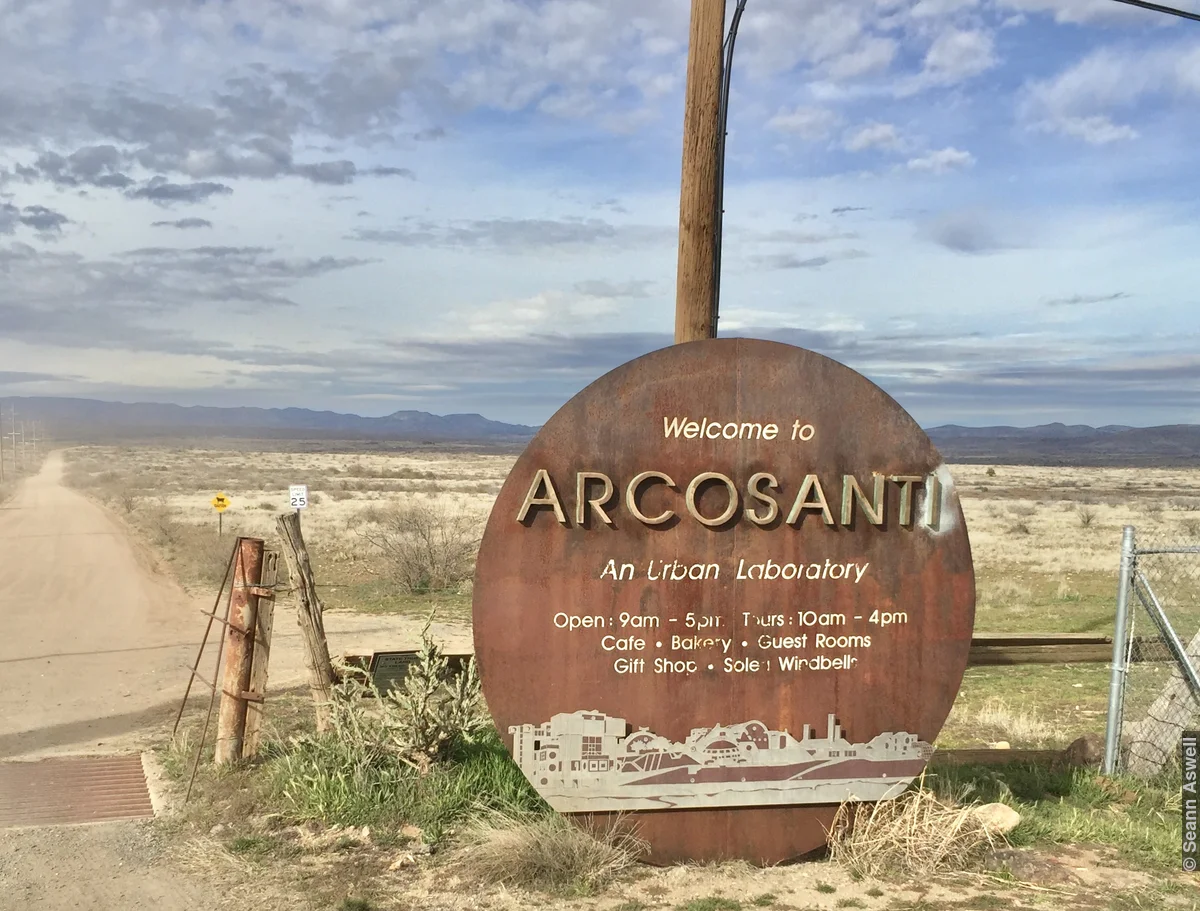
388	669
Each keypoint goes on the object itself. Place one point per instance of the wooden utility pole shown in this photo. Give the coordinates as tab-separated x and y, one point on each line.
696	287
239	651
12	417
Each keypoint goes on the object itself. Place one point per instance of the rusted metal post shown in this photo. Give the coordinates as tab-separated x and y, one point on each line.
239	650
696	293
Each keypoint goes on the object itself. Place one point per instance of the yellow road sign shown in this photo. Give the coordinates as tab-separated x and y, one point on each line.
220	502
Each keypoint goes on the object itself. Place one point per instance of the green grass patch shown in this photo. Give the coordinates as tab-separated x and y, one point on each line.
766	900
1139	818
1013	599
381	596
1071	699
712	903
252	846
320	779
632	905
826	889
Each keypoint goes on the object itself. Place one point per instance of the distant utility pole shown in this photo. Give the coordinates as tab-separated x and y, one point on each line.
12	435
696	291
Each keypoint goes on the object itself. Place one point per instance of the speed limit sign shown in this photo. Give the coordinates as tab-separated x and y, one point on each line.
298	494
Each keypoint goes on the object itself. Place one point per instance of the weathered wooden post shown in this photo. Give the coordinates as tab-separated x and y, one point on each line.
239	650
309	614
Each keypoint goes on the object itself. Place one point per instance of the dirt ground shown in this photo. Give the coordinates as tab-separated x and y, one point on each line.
96	640
95	645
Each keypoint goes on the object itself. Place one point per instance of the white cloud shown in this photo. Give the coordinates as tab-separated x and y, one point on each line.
548	311
1081	101
873	135
807	123
1081	11
941	161
956	55
872	55
929	9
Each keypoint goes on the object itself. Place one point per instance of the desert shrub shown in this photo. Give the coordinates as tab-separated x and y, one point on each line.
1087	516
991	472
424	546
127	498
917	834
265	505
425	753
1020	528
550	852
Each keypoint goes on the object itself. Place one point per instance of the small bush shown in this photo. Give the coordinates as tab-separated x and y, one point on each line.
549	852
991	472
266	506
1019	528
1087	516
425	548
915	835
425	754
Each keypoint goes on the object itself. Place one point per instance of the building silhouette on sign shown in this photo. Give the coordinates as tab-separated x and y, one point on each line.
587	762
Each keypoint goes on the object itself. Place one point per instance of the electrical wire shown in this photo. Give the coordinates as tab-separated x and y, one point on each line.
722	134
1159	8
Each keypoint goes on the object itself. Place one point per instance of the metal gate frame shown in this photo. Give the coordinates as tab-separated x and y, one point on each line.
1131	579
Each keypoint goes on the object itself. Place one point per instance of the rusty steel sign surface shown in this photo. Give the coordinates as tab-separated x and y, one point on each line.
725	588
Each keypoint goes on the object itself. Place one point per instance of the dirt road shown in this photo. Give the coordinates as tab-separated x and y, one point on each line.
91	644
95	647
95	643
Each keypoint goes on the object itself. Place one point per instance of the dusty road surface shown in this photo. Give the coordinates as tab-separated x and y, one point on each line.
91	643
95	647
95	643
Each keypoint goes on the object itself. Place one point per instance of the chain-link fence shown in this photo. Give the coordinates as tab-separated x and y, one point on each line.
1155	692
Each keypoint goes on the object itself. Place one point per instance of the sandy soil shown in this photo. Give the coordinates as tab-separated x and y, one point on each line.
95	647
96	643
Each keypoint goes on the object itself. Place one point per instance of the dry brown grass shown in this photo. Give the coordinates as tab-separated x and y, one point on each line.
916	835
549	852
1018	727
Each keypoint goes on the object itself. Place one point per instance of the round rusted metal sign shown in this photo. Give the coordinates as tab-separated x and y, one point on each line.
727	587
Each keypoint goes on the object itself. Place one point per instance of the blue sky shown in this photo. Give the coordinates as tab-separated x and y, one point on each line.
990	208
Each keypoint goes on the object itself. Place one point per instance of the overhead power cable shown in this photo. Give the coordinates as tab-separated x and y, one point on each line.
1159	8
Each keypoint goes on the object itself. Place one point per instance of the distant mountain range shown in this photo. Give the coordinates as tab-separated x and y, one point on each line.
1071	444
87	420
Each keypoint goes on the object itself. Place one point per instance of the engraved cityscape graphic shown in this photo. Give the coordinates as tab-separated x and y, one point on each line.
586	762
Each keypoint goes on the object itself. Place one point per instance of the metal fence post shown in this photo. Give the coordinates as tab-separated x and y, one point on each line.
1116	689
